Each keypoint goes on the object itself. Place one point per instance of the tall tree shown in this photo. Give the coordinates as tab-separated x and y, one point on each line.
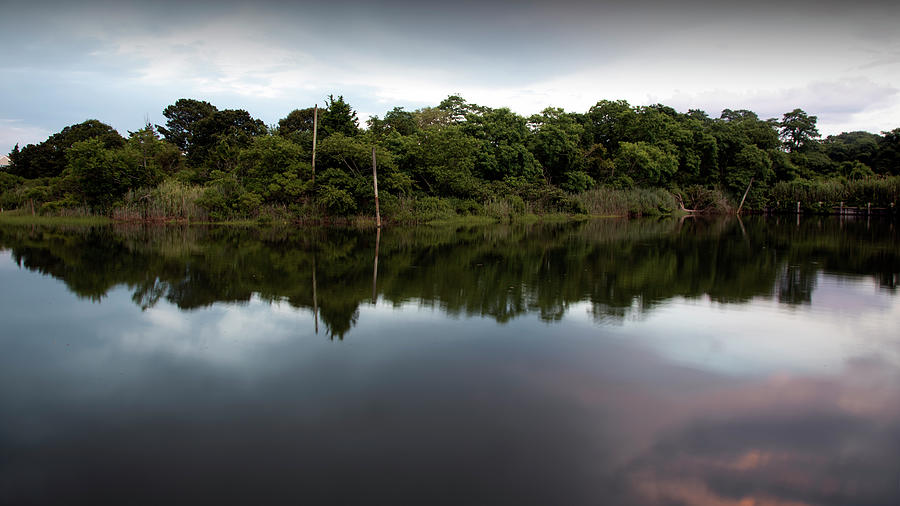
798	129
503	135
643	164
609	123
852	146
556	143
156	154
339	117
234	127
400	121
298	120
459	109
182	116
887	161
13	157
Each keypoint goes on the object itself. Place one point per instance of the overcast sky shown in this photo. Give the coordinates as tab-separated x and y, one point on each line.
123	62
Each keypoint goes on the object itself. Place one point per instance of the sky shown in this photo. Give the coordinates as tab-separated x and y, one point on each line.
123	62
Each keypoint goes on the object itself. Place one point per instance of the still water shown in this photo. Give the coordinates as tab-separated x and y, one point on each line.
607	362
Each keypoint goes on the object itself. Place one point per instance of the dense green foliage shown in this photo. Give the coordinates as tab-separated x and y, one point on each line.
619	267
453	159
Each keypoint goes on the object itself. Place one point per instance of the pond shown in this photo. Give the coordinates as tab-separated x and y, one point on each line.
603	362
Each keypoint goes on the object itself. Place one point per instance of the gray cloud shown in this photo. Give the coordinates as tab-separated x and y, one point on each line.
119	61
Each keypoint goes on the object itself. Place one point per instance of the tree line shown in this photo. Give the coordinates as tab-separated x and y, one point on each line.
452	158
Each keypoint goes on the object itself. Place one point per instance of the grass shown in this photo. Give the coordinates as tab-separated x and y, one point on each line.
463	220
627	202
175	203
21	218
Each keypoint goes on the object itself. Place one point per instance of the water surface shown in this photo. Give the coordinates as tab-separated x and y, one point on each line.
608	362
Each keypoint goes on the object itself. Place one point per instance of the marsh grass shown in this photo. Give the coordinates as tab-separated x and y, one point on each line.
18	217
823	196
627	202
170	201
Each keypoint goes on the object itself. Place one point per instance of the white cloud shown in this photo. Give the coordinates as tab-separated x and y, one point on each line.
224	334
838	104
14	131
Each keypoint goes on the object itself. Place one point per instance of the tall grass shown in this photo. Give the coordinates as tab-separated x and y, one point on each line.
627	202
826	194
171	200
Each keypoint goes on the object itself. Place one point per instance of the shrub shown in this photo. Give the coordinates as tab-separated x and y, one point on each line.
335	201
433	208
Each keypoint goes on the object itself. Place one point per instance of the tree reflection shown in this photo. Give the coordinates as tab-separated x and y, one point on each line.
621	268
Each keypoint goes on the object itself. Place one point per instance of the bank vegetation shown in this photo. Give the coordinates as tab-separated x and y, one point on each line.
453	161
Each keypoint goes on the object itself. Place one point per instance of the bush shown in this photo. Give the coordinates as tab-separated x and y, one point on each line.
700	198
577	181
104	175
466	207
335	201
432	208
225	198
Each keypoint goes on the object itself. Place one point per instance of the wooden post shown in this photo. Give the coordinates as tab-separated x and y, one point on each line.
745	196
375	182
869	208
315	128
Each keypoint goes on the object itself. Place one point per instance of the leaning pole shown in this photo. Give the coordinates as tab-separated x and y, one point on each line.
375	183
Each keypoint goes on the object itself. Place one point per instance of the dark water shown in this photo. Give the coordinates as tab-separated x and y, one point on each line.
610	362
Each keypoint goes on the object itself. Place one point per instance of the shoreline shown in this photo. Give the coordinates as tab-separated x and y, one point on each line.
362	222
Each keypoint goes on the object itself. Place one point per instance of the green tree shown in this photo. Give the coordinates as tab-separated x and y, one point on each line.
182	116
339	117
734	131
102	175
855	170
738	115
643	164
609	123
556	144
852	146
156	154
400	121
275	168
13	157
503	153
750	162
348	173
458	109
887	161
798	129
298	120
229	126
48	159
433	117
440	161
